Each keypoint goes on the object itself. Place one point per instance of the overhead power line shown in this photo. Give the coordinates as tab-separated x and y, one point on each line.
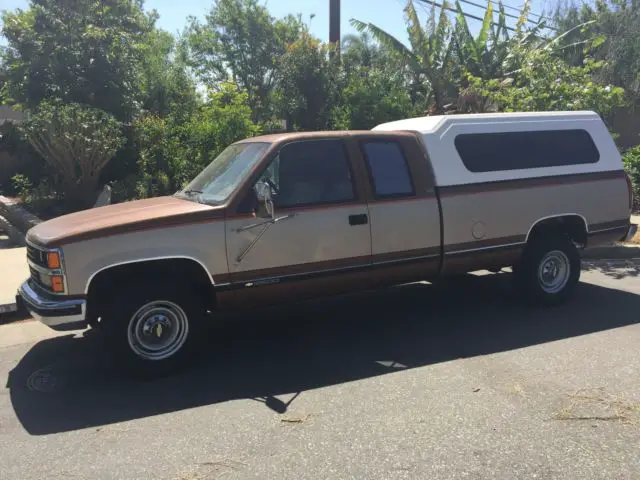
516	9
469	15
484	7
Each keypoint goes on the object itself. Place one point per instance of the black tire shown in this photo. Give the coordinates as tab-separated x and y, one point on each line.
145	312
534	275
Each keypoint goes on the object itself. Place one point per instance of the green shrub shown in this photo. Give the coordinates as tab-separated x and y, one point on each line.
171	153
77	142
41	199
631	160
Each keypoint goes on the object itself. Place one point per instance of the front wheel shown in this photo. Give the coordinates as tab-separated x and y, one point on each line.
549	270
152	330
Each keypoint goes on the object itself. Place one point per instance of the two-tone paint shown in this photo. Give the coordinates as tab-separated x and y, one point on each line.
452	222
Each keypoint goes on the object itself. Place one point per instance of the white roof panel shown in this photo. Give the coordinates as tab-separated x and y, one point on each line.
431	123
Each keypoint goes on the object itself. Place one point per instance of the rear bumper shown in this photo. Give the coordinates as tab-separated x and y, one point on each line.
59	314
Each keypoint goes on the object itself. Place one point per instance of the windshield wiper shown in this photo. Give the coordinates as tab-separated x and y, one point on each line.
192	192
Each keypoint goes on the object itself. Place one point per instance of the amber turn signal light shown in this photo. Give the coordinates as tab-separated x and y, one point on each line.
57	284
53	260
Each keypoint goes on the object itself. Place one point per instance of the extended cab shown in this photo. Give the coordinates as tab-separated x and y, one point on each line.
282	217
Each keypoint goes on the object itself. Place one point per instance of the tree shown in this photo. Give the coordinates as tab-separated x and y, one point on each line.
79	51
360	50
373	89
241	42
631	160
372	96
545	82
77	142
307	83
615	25
173	151
429	57
166	86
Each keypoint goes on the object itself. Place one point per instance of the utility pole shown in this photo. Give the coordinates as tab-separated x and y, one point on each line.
334	23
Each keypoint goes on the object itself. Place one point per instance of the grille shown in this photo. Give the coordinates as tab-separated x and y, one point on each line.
36	256
35	276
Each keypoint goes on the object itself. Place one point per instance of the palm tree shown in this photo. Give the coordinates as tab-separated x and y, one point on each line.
361	49
429	58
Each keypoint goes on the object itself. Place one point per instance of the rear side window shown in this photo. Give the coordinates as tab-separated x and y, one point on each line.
388	169
491	152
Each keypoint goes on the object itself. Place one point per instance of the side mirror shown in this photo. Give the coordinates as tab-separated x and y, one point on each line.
265	197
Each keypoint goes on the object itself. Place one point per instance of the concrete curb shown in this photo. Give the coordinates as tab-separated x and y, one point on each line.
611	252
17	216
15	235
15	221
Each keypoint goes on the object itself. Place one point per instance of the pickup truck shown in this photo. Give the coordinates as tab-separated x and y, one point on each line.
283	217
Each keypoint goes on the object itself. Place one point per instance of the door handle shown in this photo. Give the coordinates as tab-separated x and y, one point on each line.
359	219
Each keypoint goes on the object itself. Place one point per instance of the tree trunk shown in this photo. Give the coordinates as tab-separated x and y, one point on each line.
80	195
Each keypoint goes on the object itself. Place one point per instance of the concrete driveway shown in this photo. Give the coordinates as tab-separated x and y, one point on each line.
13	271
415	382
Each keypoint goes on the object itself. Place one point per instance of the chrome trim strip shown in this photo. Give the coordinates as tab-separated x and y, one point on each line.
45	270
609	229
271	280
407	259
492	247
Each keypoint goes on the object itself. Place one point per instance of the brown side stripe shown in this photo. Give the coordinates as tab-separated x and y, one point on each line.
448	191
174	221
299	269
405	255
331	267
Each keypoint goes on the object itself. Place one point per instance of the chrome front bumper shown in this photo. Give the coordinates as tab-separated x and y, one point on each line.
58	313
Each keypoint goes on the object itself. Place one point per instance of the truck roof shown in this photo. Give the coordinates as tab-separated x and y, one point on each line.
288	136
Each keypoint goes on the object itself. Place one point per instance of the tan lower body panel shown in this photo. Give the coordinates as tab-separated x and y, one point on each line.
483	254
485	227
328	278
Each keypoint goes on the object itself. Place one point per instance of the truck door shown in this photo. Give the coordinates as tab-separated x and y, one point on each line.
403	207
322	235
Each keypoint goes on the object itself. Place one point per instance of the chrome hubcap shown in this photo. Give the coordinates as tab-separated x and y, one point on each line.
158	330
554	271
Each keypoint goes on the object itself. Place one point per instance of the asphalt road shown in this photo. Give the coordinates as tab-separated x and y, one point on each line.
419	382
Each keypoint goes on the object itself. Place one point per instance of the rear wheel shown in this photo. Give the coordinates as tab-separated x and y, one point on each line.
153	329
549	269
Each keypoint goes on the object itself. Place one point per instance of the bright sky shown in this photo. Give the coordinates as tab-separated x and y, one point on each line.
386	14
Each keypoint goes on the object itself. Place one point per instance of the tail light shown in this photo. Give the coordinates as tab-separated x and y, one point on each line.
629	189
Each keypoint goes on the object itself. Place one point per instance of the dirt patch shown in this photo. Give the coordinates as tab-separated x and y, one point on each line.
596	405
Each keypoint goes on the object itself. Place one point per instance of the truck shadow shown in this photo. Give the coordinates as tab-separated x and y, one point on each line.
61	384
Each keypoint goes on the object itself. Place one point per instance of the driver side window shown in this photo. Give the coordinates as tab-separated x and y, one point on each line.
308	173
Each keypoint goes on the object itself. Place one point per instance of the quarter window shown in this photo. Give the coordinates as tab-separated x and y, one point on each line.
388	169
491	152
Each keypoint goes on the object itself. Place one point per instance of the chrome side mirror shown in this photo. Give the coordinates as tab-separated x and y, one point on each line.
264	194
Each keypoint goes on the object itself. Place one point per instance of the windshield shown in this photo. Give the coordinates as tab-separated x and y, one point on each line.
222	176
